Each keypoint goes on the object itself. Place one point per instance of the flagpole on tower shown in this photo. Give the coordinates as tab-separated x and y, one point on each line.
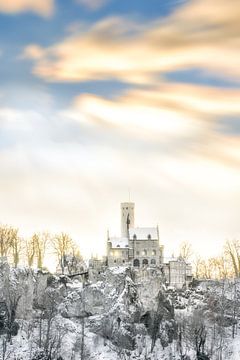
129	195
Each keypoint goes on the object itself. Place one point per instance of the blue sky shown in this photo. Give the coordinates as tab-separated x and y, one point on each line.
97	97
19	30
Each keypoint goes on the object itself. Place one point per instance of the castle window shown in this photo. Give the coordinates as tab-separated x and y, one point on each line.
145	262
153	262
149	237
154	252
134	237
144	252
136	263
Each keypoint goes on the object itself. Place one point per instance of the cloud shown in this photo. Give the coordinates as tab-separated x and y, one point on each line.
78	164
41	7
33	52
169	109
198	34
164	142
171	146
92	5
183	121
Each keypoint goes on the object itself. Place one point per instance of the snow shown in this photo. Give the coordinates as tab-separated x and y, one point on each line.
142	233
117	295
119	242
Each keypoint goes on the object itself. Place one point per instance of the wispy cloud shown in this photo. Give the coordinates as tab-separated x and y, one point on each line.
92	5
164	140
40	7
65	166
199	34
172	114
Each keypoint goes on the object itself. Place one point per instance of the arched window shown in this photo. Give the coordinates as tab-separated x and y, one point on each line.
149	237
144	253
153	262
145	262
136	263
134	237
154	252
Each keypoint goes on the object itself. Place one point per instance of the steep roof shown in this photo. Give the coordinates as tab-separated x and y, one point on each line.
119	242
144	233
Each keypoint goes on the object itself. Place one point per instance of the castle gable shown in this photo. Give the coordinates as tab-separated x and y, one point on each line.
119	242
143	233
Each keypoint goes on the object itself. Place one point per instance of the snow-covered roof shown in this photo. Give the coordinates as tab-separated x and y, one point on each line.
144	233
119	242
175	259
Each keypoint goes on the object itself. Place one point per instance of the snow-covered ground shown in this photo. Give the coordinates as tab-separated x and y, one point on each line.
120	316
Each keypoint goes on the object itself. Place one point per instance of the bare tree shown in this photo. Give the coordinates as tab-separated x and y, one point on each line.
16	247
235	309
63	246
197	334
7	235
6	353
30	251
40	242
185	251
232	250
51	334
197	265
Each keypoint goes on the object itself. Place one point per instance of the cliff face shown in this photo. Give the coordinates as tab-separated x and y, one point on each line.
123	315
118	309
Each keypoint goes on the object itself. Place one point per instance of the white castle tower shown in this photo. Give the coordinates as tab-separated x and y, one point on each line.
127	218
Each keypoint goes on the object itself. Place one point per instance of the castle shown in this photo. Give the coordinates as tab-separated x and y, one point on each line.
138	246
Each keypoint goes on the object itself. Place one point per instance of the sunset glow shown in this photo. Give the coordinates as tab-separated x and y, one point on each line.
99	98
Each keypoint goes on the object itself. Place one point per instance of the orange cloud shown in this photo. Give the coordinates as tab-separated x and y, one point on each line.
186	118
199	34
163	106
33	52
41	7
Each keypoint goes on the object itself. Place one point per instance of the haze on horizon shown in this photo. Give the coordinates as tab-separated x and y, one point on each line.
100	96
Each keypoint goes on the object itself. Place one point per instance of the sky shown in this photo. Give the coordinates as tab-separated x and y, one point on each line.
99	98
